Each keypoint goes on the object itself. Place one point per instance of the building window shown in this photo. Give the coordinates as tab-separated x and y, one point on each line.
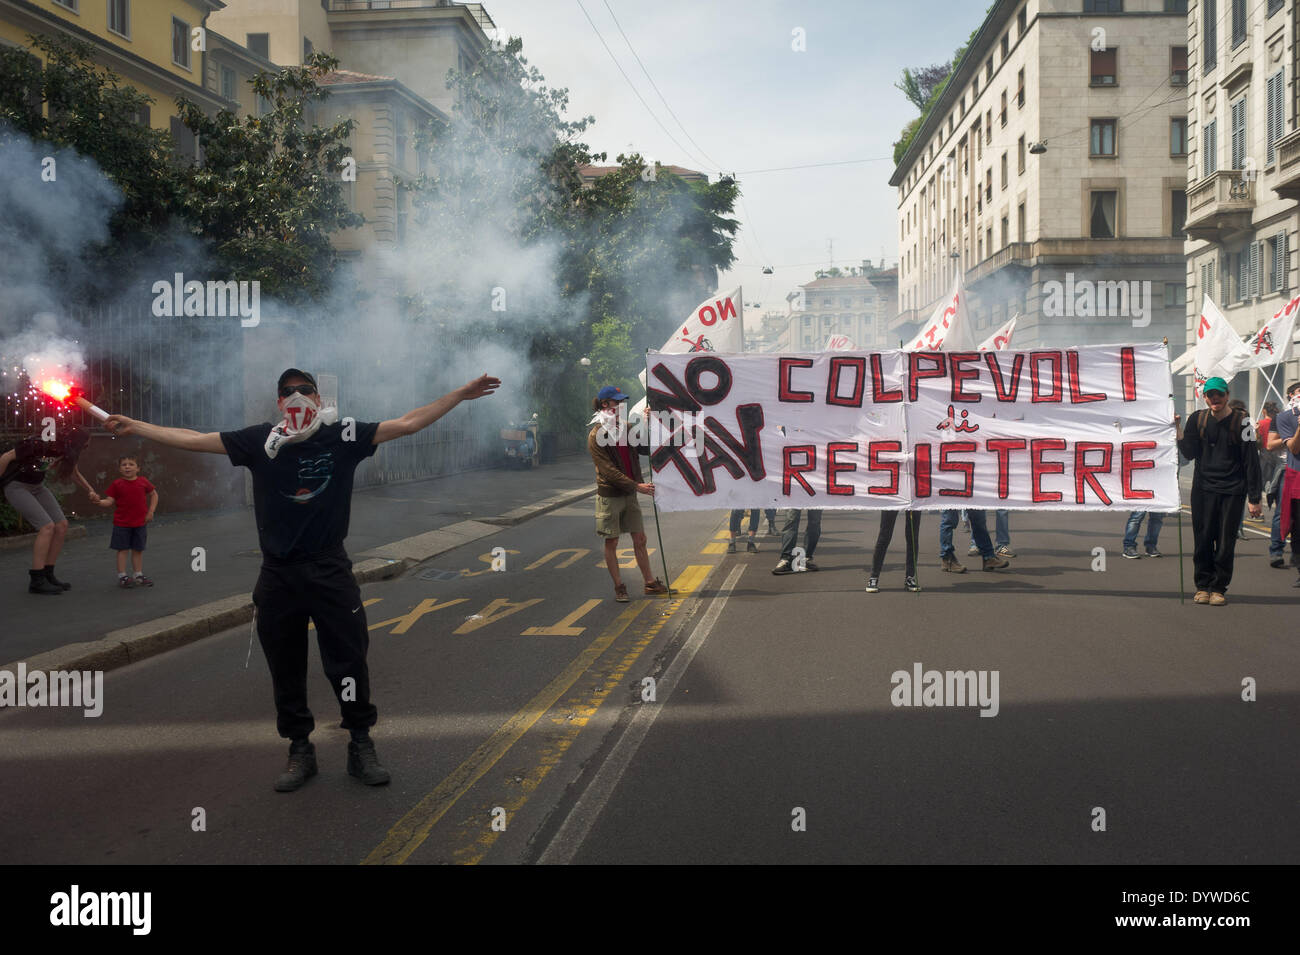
1020	88
1004	107
1103	208
1274	6
1104	67
1238	23
988	185
228	90
1006	46
141	116
259	43
1207	278
184	145
1210	148
988	126
1178	66
1175	6
1022	21
988	70
1103	137
1004	171
264	105
67	4
1209	35
1248	284
1275	106
1006	231
119	17
1103	6
1020	155
1175	295
1278	263
180	43
1178	136
307	49
1239	134
1177	212
988	240
1021	230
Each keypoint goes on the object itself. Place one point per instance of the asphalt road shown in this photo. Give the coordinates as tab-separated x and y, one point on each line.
515	717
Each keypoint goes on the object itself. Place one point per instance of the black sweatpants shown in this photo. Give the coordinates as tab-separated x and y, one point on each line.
1215	519
912	531
324	590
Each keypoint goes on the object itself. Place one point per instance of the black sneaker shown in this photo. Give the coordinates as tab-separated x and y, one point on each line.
751	548
302	766
363	763
771	529
809	565
873	585
1153	552
731	547
43	585
1277	562
909	583
782	568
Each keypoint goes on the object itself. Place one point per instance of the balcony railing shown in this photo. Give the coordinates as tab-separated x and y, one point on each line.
1288	166
475	9
1219	205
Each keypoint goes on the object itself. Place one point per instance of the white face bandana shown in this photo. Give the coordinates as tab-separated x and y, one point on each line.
302	416
1295	402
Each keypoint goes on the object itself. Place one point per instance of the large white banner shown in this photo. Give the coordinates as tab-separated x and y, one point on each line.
1079	429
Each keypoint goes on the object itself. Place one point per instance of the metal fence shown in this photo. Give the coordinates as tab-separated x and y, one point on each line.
176	372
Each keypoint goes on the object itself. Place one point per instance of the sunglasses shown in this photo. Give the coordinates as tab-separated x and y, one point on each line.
1215	394
288	390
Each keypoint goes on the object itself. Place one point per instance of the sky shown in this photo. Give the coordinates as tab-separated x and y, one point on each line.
749	102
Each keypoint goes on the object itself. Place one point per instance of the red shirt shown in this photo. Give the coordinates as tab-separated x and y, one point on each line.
130	499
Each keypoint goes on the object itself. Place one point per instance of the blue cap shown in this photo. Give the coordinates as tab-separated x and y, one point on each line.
609	391
1214	384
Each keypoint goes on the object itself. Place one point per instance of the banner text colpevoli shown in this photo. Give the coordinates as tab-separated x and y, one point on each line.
1088	428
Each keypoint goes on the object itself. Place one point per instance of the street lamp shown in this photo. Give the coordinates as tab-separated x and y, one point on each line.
586	363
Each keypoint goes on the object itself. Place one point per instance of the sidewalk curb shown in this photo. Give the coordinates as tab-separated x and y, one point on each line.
75	532
117	648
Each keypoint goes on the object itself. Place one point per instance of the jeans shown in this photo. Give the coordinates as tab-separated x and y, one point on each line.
790	532
1275	548
911	530
1001	528
979	532
738	515
1155	521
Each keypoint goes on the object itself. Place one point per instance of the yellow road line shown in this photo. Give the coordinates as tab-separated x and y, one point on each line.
690	579
413	828
474	836
715	548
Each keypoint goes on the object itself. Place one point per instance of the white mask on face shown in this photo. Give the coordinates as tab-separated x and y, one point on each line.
1295	402
303	415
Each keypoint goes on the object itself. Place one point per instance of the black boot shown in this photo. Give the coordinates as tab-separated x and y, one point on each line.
363	763
302	766
49	575
40	584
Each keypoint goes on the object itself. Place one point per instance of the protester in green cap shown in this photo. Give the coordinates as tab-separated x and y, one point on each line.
1222	443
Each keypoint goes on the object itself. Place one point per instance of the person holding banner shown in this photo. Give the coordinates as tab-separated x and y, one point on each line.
979	530
912	531
1283	432
618	482
790	536
1227	474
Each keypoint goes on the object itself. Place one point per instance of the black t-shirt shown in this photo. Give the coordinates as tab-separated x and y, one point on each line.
30	461
302	498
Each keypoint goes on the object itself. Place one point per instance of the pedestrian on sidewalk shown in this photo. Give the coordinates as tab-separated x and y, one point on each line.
618	482
737	516
1284	433
793	516
1155	520
912	531
22	475
1226	475
979	535
134	501
302	472
1272	470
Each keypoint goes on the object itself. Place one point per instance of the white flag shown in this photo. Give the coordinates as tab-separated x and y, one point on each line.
1272	343
1220	352
716	324
948	328
1001	338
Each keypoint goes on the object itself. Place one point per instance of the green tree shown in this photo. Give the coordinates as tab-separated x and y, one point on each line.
268	193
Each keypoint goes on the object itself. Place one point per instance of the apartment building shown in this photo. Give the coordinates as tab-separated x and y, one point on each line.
1243	167
150	44
1051	174
850	305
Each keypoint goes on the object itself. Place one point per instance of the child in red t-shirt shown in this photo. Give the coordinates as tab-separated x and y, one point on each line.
135	500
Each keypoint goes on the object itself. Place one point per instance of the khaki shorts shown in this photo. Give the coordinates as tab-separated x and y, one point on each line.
618	515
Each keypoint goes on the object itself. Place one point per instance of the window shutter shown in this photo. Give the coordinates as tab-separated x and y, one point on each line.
1209	148
1276	110
1238	133
1280	261
1254	269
